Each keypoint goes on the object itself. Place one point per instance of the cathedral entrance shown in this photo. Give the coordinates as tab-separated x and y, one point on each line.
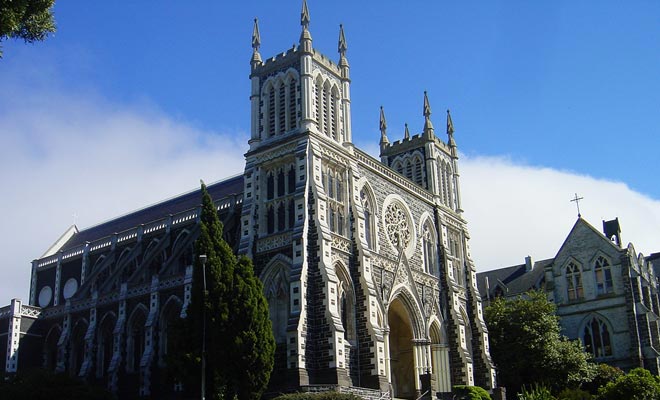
402	361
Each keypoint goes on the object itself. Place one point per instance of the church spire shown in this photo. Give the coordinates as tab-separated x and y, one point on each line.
450	130
342	47
428	126
383	130
406	132
305	36
256	42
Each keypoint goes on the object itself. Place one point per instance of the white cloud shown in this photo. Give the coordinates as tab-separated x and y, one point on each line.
74	153
517	210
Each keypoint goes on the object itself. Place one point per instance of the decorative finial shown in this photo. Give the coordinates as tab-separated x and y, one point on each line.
450	124
256	42
256	37
406	133
450	130
427	106
342	41
304	16
383	128
428	126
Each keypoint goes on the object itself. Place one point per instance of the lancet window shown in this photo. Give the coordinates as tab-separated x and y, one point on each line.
333	183
411	167
455	253
369	218
327	107
345	303
276	288
279	105
574	282
428	249
603	276
280	205
596	338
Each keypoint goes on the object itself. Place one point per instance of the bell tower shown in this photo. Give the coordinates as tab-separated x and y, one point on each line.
425	159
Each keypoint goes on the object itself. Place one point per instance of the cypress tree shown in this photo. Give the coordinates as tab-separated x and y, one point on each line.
239	340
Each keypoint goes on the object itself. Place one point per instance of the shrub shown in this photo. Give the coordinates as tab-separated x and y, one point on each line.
604	375
318	396
535	392
639	384
574	394
463	392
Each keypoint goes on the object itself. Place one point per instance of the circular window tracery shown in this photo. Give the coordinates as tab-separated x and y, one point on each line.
397	226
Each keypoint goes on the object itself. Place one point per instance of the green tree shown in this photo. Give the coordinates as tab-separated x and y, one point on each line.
240	346
527	345
638	384
30	20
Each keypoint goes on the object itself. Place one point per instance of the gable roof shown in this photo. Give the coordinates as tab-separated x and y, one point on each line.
583	223
183	202
515	280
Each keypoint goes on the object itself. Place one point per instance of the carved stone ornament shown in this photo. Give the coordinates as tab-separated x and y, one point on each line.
397	226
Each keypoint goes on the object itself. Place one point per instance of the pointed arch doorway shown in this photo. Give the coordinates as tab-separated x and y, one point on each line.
402	359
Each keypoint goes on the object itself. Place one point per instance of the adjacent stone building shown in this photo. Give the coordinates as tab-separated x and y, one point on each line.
606	294
365	263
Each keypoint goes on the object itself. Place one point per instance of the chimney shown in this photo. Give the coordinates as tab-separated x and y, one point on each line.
528	263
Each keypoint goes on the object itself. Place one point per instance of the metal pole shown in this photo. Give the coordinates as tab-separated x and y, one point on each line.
202	258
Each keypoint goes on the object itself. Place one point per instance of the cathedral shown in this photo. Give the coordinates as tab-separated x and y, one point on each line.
365	263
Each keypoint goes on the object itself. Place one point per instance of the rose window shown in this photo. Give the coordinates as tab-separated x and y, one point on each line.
397	226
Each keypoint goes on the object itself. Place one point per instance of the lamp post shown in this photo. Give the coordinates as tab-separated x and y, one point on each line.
202	258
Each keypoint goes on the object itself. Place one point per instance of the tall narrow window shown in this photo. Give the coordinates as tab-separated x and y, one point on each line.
603	276
574	282
271	112
428	249
281	218
292	214
345	303
333	115
325	113
409	172
340	222
340	189
280	182
319	104
418	175
281	109
596	338
331	185
368	218
270	220
292	180
270	186
293	118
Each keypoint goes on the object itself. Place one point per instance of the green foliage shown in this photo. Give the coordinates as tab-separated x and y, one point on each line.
40	384
574	394
604	375
464	392
526	344
535	392
318	396
240	346
30	20
638	384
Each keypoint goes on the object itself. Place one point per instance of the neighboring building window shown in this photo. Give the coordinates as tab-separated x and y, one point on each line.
596	338
574	282
603	276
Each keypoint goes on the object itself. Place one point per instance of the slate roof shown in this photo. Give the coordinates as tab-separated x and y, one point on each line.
183	202
515	279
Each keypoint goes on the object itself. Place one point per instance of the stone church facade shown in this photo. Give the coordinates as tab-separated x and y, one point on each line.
365	263
607	295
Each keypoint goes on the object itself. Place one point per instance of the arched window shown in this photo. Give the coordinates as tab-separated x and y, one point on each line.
292	101
346	303
409	172
135	340
319	103
270	124
277	293
428	249
291	180
280	182
367	208
574	282
332	118
292	213
270	186
603	276
281	109
270	220
105	344
596	338
281	218
398	167
77	347
418	172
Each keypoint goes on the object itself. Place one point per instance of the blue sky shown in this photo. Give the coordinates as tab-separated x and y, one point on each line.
132	102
